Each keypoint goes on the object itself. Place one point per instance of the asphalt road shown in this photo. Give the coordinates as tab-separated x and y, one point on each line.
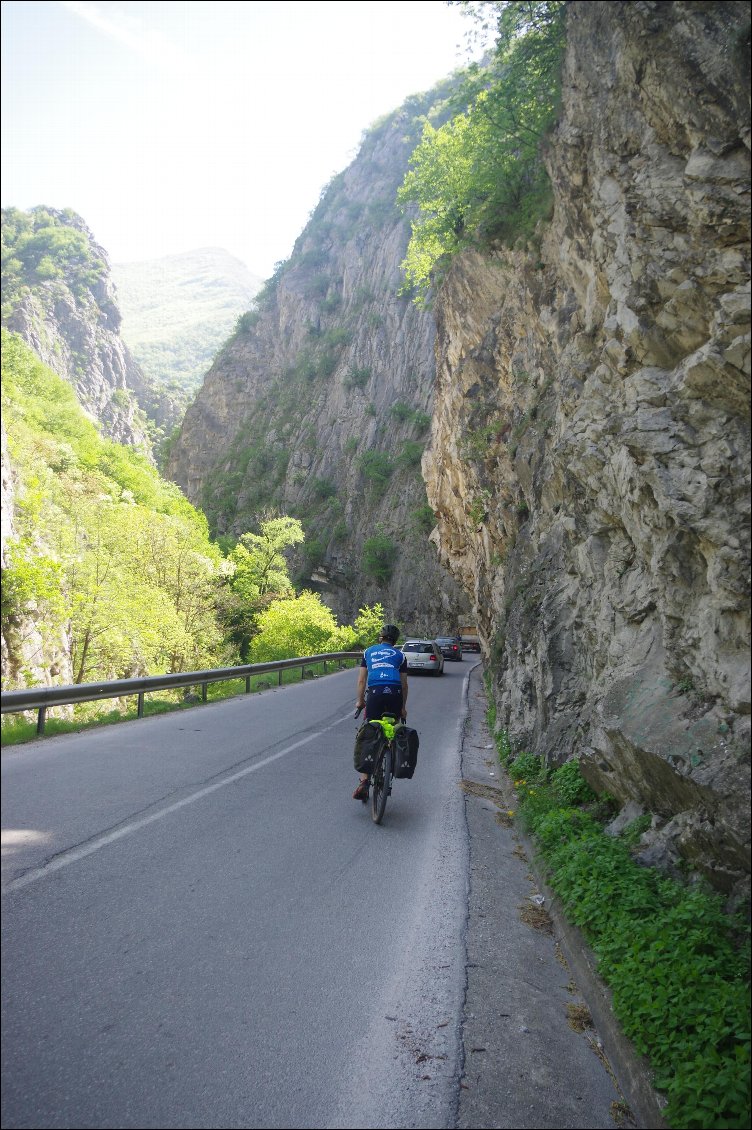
202	929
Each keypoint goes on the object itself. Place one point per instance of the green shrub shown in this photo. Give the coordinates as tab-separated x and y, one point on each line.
324	488
377	467
401	411
411	454
677	965
570	786
423	519
525	765
357	378
379	556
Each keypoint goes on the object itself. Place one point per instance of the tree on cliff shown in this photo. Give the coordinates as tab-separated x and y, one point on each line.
480	178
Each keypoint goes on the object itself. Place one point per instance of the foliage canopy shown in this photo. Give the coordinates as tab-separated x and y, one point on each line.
480	178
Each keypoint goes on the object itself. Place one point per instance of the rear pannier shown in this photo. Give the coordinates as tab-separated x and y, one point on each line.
368	742
406	743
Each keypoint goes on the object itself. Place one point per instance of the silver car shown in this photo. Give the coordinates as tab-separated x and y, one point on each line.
423	655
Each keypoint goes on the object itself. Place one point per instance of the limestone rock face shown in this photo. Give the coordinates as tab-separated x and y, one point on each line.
321	405
590	443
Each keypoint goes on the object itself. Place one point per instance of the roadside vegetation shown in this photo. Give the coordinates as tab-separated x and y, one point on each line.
677	965
110	569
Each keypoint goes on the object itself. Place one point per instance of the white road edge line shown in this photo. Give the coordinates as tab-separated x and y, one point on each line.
75	854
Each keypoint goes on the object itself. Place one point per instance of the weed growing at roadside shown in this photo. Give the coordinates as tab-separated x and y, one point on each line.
678	966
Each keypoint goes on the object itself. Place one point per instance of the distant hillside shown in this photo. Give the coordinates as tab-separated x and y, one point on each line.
58	295
177	311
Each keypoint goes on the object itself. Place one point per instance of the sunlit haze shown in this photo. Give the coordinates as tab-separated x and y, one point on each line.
174	126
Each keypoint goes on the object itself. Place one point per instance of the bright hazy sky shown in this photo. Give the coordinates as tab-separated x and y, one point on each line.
174	126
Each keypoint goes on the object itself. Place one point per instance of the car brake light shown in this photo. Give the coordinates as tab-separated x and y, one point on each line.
432	658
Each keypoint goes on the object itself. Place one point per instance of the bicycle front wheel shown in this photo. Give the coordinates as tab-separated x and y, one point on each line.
381	787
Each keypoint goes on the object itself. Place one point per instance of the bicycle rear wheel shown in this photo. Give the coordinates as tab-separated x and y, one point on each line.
381	785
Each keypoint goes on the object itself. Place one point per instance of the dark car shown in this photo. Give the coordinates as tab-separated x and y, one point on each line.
451	647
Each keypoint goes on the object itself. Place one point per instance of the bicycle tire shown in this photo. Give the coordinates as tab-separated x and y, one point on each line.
381	785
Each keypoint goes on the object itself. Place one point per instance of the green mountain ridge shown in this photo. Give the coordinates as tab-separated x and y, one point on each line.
179	309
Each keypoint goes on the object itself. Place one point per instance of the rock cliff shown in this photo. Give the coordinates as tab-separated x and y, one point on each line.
590	444
61	301
320	405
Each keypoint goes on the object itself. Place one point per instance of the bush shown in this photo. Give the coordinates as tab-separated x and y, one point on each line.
570	786
377	467
379	556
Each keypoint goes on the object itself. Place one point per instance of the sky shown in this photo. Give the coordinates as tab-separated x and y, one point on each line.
174	126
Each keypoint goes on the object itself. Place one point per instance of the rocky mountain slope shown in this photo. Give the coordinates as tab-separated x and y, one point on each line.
320	405
59	297
178	310
590	449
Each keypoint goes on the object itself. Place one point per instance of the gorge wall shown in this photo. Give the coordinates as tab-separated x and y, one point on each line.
589	457
321	404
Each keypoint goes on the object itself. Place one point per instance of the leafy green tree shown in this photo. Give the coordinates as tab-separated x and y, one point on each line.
294	626
104	550
257	574
43	244
368	624
259	559
361	634
480	177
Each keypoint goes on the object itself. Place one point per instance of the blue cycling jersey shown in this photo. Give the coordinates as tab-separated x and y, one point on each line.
384	664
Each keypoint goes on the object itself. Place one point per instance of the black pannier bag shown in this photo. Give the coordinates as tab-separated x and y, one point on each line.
368	742
406	743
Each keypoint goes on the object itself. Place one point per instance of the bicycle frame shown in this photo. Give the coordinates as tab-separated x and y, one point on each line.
381	776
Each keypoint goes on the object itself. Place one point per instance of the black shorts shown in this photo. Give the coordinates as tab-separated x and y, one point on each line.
386	699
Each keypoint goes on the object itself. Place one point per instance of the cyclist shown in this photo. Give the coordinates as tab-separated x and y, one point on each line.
382	686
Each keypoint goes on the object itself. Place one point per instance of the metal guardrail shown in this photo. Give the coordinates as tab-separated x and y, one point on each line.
41	698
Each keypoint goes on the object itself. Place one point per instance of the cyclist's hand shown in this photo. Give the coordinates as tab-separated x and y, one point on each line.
404	716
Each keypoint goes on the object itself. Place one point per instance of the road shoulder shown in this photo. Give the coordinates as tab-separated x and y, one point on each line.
541	1046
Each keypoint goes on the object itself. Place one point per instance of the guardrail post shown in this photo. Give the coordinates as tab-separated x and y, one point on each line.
41	716
204	689
248	684
279	677
140	712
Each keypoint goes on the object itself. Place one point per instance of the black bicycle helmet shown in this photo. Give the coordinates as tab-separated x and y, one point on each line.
390	633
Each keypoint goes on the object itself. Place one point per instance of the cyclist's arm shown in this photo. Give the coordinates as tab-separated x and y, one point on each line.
403	680
362	676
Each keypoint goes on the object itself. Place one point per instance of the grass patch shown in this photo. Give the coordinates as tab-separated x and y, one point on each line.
678	966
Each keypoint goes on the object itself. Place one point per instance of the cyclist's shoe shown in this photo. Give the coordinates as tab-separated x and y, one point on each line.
361	793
